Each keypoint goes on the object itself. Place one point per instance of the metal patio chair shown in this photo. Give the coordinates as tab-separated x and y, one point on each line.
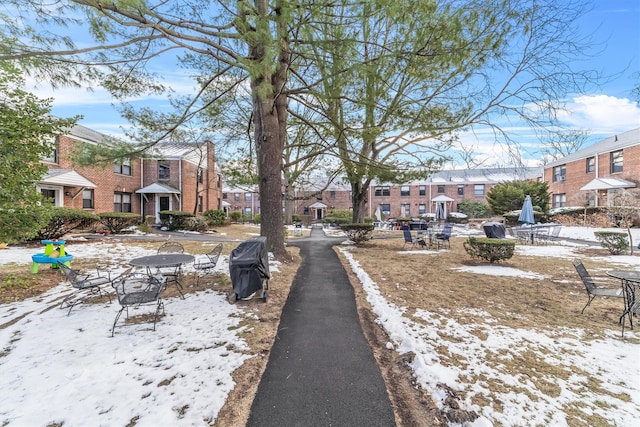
408	238
172	273
208	264
591	288
85	284
443	239
137	289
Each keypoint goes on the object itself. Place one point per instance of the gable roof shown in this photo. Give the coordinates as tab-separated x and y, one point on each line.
612	143
67	178
156	188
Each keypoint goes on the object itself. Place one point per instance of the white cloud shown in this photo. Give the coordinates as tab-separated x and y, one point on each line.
603	114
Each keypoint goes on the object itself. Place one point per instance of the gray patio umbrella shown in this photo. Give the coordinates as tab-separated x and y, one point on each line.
526	214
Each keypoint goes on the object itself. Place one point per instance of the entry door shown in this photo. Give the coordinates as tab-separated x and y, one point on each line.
165	203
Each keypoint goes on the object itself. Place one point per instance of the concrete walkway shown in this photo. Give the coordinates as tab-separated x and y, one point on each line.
321	371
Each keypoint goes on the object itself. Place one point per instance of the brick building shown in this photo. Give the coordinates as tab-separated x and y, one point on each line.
590	176
178	177
439	194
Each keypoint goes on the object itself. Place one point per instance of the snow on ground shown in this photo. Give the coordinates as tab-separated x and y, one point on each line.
68	370
612	361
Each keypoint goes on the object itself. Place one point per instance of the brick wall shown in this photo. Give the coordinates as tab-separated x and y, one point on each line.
577	176
107	181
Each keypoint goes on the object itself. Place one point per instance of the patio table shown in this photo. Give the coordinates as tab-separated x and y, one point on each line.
165	261
630	290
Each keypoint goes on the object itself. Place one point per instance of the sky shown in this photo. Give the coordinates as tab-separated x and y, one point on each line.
68	369
614	26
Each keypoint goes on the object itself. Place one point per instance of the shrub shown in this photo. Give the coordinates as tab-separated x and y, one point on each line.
63	220
21	223
474	209
115	222
215	217
175	220
195	223
235	216
489	249
614	241
336	220
256	218
358	233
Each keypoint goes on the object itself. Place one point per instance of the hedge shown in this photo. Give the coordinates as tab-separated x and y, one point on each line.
489	249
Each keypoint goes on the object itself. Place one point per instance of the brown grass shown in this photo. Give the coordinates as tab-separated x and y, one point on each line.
432	282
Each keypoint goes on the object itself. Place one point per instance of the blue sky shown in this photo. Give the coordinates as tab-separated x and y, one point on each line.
604	111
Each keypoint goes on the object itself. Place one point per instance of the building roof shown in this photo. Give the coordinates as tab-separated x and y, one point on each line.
607	184
157	188
612	143
67	178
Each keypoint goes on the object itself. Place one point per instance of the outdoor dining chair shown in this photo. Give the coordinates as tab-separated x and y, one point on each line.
171	247
408	238
85	285
208	264
171	274
594	291
135	290
443	238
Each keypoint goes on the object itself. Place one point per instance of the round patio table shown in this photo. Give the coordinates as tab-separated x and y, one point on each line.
162	260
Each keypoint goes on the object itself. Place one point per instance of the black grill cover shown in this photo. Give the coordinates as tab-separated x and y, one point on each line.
494	230
249	266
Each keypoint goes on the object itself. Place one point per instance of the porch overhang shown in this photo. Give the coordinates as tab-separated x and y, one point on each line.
607	184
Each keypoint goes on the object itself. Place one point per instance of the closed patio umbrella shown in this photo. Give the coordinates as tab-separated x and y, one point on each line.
526	214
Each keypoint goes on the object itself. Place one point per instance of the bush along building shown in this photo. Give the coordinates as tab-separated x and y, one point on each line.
177	177
592	175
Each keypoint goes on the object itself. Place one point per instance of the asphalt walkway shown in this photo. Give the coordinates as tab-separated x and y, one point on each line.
321	371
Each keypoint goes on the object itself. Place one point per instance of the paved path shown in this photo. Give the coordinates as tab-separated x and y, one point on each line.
321	371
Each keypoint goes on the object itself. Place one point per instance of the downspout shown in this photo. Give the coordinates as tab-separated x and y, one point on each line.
141	186
180	183
597	176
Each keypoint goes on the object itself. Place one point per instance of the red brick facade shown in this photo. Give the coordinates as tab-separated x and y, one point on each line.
613	157
116	186
399	201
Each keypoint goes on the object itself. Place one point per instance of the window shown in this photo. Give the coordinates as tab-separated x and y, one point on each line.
200	175
48	194
591	198
383	191
332	195
405	209
385	208
616	161
440	189
423	190
247	197
224	196
460	190
122	202
200	204
559	173
405	190
164	171
53	157
123	168
87	199
236	197
559	200
247	212
422	209
591	164
478	190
